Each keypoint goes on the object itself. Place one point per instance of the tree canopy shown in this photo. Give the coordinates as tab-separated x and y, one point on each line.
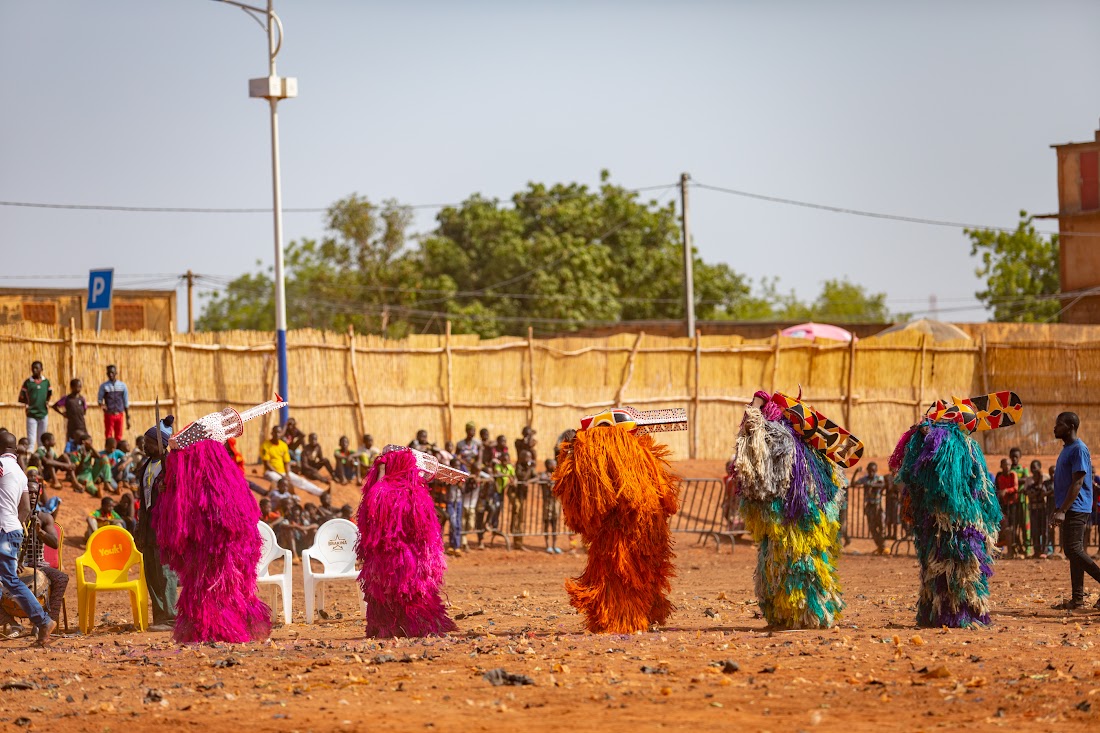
1021	272
557	258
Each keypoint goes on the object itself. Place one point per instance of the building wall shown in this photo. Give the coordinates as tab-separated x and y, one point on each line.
1079	256
153	310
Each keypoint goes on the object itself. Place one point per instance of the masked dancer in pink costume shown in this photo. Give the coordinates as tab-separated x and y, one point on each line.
401	545
205	523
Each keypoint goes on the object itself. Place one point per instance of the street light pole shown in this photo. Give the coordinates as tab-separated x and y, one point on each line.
689	257
274	88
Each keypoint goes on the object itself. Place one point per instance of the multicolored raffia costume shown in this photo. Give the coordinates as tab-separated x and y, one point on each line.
950	500
789	475
618	491
205	524
401	545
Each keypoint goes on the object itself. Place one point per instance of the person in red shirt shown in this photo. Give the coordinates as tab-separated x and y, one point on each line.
1008	494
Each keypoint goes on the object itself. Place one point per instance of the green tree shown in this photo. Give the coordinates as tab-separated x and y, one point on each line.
246	303
1020	269
355	275
556	258
840	301
845	302
564	255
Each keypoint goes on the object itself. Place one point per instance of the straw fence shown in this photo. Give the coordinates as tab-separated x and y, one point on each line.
349	384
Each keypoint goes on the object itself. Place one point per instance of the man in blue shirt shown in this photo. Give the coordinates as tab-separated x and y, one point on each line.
1073	504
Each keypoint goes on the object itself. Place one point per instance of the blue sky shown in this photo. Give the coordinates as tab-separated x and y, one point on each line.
940	110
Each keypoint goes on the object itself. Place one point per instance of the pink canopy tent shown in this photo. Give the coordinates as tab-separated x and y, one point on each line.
814	331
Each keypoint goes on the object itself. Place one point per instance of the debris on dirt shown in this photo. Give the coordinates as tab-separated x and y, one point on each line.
728	666
653	670
383	658
709	612
1084	706
938	673
498	677
19	685
153	696
23	722
468	614
227	662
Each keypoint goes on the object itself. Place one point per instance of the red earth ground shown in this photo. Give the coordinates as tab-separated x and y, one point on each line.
715	664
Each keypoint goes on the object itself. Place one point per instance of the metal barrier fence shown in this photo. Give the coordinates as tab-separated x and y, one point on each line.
709	511
528	509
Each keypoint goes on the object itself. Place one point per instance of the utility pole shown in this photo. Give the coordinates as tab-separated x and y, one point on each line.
190	302
274	88
689	277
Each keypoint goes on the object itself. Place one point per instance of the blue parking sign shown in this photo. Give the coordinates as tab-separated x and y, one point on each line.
99	289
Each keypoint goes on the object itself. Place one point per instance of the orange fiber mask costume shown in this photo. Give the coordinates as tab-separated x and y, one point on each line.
617	490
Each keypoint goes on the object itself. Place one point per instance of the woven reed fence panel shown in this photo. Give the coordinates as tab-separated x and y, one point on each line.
347	384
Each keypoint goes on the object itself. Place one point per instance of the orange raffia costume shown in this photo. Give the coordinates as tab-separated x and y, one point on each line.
618	491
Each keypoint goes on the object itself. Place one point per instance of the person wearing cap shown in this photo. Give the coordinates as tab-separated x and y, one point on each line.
160	578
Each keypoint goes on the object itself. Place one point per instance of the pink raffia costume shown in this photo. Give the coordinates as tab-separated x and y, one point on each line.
401	545
206	522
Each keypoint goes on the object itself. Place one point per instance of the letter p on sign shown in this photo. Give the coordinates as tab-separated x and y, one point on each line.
99	289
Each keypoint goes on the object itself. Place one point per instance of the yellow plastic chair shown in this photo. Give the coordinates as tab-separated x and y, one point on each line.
110	555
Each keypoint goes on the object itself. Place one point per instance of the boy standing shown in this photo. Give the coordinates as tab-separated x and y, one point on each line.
551	509
35	394
72	407
1023	504
873	486
114	398
1008	489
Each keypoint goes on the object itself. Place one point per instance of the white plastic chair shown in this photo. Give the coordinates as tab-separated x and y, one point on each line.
334	548
269	552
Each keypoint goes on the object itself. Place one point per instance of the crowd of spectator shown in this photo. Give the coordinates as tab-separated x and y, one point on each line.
295	463
499	478
502	473
503	477
1025	496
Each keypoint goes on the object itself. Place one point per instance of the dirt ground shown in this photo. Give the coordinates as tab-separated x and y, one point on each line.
714	664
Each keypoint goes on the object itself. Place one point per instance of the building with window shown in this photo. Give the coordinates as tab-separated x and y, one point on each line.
1079	228
132	310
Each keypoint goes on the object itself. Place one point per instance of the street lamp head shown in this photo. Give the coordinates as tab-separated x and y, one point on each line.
273	87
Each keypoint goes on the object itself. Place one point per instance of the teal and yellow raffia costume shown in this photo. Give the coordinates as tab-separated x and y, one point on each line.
950	500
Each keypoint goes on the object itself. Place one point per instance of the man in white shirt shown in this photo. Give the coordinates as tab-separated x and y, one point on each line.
15	508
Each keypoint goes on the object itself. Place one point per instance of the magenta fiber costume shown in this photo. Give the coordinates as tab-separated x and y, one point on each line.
401	546
206	524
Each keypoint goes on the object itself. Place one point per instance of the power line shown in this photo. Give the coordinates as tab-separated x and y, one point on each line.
162	275
286	210
871	214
